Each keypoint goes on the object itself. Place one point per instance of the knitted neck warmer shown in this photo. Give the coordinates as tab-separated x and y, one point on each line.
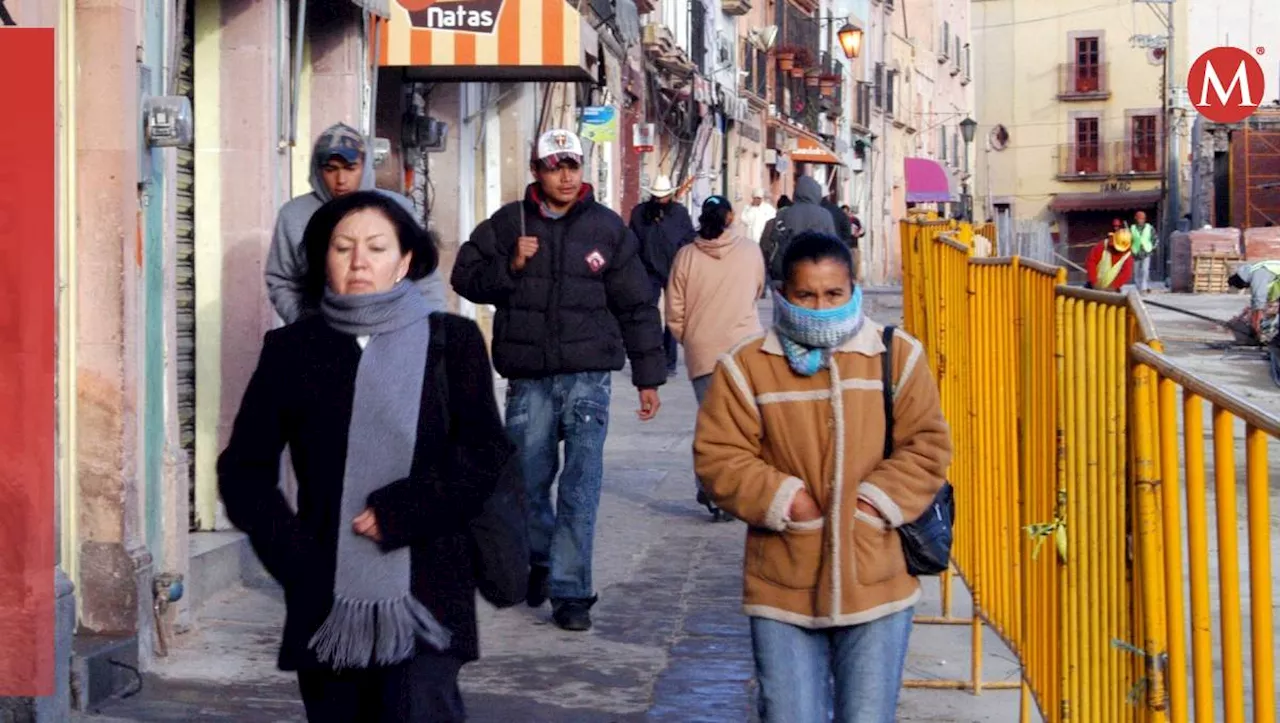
808	336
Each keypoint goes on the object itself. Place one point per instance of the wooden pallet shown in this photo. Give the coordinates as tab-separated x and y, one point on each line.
1211	271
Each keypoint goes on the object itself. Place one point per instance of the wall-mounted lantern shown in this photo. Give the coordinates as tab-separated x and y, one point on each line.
850	37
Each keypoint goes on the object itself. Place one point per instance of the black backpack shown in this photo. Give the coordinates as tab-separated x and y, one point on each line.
500	534
926	542
778	243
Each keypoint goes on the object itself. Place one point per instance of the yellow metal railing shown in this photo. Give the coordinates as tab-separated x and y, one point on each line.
1236	696
1069	531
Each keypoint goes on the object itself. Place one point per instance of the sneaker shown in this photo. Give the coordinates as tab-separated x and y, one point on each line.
536	593
573	615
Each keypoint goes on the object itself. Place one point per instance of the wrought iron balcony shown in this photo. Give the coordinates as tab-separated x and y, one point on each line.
1140	159
1118	159
1084	161
1083	82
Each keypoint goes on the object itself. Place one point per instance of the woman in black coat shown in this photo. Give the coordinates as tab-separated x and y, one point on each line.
377	563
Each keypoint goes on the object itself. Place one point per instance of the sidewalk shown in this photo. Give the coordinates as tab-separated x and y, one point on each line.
670	643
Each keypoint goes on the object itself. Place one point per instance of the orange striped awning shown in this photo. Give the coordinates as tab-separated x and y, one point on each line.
510	40
810	151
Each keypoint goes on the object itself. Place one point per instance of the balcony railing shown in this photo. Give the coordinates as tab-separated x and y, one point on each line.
835	69
797	29
1090	162
1083	82
1084	161
1140	160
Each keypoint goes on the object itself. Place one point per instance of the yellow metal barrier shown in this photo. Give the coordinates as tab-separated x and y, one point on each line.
1099	656
1069	533
1251	697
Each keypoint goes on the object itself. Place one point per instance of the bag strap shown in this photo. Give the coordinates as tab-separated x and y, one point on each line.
439	342
886	365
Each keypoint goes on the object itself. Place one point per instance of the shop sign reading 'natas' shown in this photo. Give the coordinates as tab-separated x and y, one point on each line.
471	16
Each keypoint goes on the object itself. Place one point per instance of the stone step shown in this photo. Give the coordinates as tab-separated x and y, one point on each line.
220	560
102	667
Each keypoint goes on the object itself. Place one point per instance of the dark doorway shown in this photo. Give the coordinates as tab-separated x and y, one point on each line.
1221	189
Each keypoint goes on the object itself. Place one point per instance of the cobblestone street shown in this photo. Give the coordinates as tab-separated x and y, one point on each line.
670	642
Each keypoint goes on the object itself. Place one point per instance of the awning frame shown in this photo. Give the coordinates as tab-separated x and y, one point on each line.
1091	202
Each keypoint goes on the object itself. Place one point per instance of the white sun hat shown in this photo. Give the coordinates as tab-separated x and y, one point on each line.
662	187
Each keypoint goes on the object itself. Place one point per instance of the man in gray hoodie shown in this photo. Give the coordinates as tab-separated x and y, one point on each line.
806	214
340	165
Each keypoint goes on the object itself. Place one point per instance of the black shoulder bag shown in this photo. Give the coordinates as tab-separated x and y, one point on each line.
500	533
926	542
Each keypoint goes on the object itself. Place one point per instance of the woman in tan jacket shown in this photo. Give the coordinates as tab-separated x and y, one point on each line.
711	298
790	439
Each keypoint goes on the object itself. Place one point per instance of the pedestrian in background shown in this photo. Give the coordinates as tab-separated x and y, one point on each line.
791	439
572	294
806	214
711	299
1144	246
663	228
840	218
376	564
757	216
769	238
340	165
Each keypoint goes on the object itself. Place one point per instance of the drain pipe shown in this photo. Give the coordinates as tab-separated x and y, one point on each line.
166	588
1197	166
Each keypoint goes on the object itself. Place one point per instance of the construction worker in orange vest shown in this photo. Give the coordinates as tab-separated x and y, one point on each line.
1110	263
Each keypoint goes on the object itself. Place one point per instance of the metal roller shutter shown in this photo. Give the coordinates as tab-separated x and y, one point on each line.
185	272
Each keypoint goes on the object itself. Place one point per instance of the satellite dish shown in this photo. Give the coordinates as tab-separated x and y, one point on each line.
765	37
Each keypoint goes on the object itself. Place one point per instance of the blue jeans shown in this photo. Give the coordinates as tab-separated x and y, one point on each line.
796	668
542	413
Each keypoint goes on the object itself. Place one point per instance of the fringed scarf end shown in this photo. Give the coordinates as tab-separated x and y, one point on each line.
361	633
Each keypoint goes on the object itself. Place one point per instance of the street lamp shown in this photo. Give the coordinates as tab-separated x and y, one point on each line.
850	37
968	127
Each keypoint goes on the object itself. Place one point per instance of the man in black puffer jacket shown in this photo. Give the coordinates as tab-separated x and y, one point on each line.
572	296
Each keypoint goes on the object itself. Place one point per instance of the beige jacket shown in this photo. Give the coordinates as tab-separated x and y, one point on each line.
711	297
764	433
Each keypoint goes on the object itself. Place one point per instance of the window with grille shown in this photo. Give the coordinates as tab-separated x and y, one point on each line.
1087	146
1144	144
1088	65
862	105
891	80
698	34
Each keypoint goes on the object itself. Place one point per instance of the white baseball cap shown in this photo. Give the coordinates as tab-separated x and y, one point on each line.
557	146
758	193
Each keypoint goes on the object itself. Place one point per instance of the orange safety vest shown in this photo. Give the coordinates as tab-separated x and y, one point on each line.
1109	270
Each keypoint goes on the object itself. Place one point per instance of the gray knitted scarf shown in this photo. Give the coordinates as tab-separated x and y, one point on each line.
375	619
